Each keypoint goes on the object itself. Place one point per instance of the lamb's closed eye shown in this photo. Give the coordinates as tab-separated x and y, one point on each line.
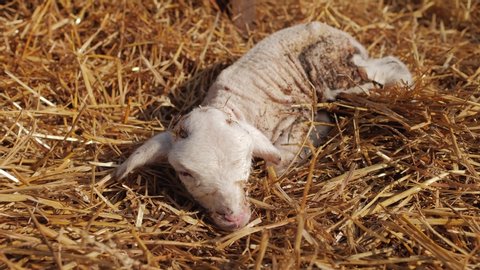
188	179
182	133
185	174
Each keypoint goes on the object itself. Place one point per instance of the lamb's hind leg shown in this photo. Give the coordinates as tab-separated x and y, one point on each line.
384	71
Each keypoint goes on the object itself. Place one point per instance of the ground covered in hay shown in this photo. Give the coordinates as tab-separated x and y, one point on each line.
82	83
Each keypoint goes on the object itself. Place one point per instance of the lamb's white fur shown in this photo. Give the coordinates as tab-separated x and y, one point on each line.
248	113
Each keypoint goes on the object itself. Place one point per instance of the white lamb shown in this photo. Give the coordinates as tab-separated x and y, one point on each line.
248	113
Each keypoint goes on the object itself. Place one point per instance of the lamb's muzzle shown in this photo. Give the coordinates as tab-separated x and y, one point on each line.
228	220
248	113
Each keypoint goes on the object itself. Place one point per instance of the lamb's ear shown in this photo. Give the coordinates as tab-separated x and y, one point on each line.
262	147
153	150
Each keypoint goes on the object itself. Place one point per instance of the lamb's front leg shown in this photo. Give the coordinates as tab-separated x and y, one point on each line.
291	149
294	140
384	71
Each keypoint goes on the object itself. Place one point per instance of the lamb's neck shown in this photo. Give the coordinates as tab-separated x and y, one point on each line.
236	107
234	110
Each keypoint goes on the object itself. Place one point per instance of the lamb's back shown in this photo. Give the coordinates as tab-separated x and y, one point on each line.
287	67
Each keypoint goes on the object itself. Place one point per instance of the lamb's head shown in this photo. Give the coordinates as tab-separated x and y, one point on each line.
211	151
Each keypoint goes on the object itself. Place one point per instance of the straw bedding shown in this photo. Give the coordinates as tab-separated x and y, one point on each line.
82	83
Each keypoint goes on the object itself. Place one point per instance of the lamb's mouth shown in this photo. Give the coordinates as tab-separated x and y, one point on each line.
231	221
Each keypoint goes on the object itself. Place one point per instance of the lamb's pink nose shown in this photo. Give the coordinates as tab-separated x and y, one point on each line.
233	221
239	219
